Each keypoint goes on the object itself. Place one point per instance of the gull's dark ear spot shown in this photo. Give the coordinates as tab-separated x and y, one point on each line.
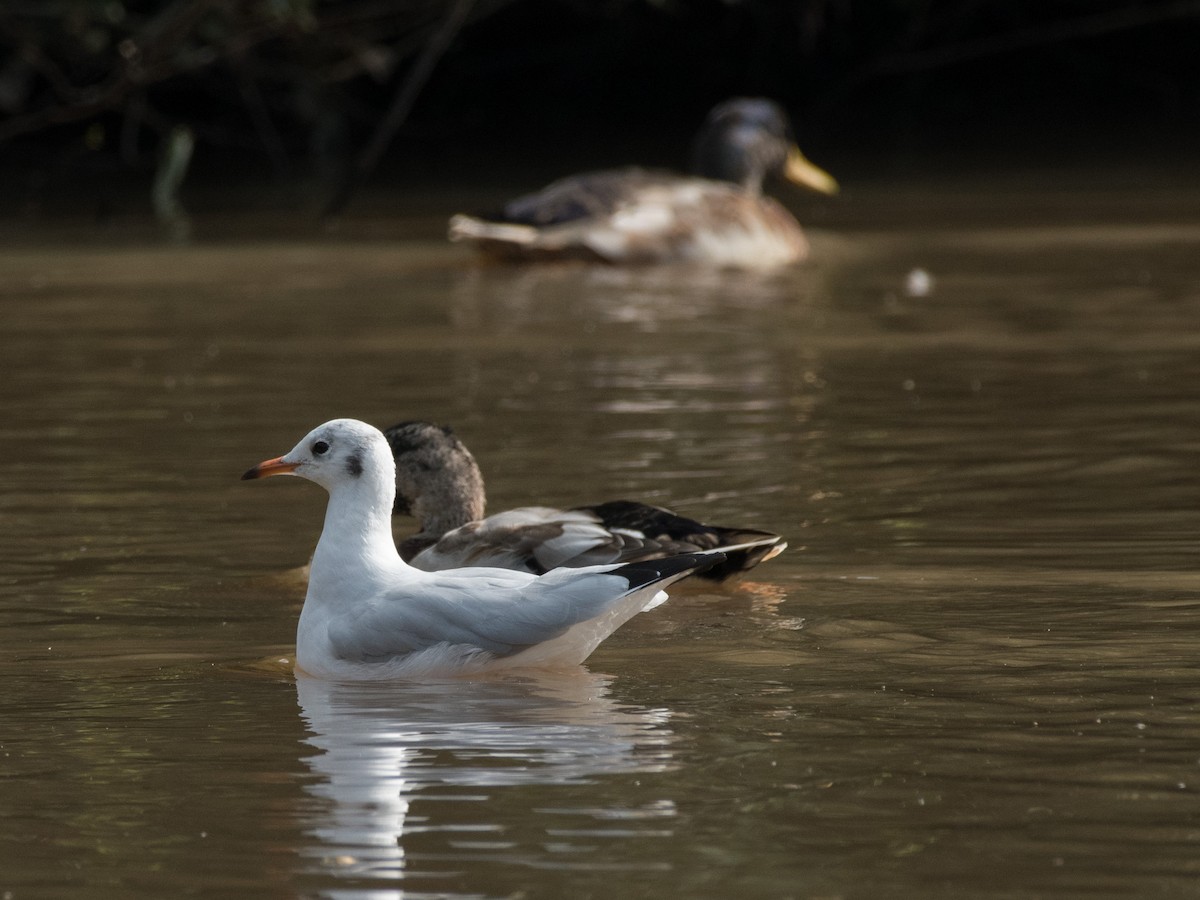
354	465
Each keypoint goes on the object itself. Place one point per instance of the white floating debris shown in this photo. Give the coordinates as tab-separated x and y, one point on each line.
918	283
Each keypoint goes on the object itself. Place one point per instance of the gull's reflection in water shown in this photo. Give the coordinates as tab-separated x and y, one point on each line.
384	747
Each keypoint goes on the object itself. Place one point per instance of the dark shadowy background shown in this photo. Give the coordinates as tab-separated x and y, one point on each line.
334	100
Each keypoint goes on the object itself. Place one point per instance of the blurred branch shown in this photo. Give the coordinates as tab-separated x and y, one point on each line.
1072	29
172	170
337	81
142	61
402	102
260	115
172	43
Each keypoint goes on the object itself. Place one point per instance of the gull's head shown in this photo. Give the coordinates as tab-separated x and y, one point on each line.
340	452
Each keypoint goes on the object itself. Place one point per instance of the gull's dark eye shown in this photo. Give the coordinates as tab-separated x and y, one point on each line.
320	448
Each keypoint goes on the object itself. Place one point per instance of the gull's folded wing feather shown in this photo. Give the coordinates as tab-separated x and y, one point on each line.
499	611
495	611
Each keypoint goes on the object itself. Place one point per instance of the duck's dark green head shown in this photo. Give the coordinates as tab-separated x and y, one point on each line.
745	139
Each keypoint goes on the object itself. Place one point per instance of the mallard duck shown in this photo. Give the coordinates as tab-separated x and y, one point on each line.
439	483
368	615
716	217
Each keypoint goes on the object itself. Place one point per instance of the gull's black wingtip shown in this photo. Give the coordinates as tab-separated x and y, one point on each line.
648	571
706	561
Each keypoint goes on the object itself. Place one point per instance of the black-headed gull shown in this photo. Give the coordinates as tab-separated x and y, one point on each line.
368	615
439	483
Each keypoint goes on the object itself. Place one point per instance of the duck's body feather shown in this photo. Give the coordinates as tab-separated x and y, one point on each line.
632	216
440	483
538	539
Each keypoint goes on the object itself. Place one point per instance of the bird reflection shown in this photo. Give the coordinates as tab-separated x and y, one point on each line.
510	300
384	747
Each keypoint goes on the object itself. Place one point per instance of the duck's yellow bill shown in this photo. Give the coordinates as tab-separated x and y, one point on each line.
799	170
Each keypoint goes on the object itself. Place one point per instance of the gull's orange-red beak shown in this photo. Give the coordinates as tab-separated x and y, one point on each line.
270	467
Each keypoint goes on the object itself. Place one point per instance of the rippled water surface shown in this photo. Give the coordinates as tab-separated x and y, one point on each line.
973	674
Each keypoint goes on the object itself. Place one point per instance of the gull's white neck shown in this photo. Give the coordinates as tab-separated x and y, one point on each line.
356	552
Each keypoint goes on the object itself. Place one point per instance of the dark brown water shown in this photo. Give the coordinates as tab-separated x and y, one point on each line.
974	673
